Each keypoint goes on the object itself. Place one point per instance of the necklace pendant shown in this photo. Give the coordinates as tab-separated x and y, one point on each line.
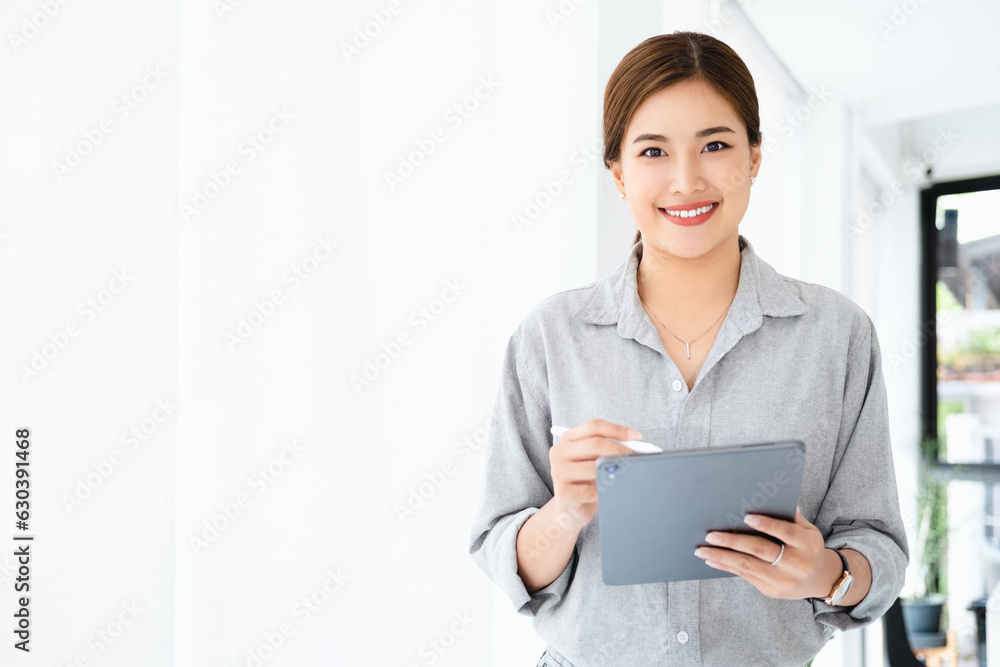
688	346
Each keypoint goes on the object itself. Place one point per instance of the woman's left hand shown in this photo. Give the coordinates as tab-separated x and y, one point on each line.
801	571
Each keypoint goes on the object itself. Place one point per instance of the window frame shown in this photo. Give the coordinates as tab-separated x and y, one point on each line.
941	470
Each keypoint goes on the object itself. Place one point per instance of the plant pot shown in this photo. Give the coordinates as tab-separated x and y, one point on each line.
919	640
923	616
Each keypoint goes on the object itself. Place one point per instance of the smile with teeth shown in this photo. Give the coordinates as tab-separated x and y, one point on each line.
689	214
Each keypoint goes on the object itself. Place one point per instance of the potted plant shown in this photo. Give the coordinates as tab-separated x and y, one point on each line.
922	612
976	357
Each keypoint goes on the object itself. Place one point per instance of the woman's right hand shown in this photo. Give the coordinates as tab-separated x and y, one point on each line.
574	468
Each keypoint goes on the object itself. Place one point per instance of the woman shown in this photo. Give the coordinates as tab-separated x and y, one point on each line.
693	342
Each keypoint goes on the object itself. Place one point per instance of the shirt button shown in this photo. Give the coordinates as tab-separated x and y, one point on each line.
682	637
676	385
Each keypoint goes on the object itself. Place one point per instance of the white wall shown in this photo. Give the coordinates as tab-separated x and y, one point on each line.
88	271
317	521
544	224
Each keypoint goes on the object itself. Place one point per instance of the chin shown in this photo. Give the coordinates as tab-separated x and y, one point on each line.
686	245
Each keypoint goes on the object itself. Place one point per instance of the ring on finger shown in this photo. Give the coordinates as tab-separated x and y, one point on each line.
780	554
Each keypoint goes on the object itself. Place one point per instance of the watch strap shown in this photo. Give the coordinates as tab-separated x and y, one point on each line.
847	568
845	578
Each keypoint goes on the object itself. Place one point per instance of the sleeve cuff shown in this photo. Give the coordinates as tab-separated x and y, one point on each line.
888	565
504	568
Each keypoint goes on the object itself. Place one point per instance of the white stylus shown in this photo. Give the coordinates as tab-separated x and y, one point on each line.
635	445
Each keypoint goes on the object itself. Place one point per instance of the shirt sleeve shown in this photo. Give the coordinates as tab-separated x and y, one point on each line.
517	478
861	507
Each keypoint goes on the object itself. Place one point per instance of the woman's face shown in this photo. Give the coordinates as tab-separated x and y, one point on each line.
685	149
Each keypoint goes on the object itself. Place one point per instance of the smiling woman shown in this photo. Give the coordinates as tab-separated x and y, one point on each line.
697	179
698	343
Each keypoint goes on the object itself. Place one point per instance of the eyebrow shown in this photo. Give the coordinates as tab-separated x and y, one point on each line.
699	134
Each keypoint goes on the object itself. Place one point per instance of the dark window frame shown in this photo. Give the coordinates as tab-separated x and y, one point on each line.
982	472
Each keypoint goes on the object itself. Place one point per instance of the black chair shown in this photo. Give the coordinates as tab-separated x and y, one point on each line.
897	647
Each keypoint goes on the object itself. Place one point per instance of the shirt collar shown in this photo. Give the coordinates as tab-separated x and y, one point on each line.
761	292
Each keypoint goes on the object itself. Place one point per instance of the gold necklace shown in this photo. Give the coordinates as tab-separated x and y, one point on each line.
687	344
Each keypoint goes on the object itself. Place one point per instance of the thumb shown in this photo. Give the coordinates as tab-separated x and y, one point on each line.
799	519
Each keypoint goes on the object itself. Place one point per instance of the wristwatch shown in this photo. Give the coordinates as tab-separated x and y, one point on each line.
842	585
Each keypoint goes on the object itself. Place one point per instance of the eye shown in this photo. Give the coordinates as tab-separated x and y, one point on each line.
722	145
653	148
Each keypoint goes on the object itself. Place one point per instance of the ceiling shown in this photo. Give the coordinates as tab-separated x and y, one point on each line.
895	61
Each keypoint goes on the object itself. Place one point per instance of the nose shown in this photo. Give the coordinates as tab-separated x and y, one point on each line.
686	176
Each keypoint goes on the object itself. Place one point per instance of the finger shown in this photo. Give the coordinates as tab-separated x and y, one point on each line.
737	562
719	559
589	449
761	583
752	545
602	428
788	532
801	520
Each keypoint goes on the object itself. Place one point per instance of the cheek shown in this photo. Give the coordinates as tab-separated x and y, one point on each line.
734	177
644	182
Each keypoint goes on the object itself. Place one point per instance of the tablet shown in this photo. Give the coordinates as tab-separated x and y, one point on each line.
654	510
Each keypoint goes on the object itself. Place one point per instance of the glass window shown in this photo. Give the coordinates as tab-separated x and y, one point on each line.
967	318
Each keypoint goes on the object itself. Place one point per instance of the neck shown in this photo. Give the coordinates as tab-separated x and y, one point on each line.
689	288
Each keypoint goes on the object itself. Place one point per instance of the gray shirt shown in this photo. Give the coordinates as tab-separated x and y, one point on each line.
792	361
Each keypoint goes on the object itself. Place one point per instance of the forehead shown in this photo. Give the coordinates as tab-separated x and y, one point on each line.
687	106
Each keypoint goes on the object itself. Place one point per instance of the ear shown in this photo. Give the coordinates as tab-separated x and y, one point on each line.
616	174
755	159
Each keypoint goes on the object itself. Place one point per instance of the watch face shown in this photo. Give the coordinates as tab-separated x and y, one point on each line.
841	592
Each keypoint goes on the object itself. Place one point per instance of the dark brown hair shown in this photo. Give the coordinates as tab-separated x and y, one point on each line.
664	60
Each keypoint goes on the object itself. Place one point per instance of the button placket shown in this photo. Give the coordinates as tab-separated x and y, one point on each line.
682	604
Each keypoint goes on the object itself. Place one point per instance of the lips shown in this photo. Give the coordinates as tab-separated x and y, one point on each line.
688	215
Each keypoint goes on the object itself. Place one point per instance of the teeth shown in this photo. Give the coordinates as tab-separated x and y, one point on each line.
692	213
